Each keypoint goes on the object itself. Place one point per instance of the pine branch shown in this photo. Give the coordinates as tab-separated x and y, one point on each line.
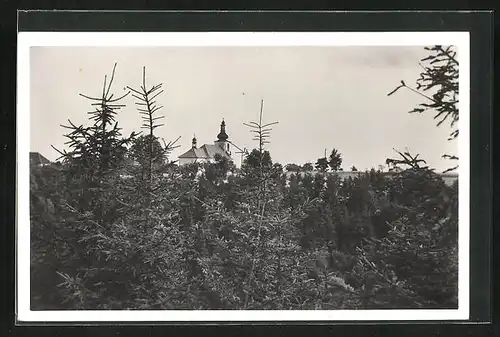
443	75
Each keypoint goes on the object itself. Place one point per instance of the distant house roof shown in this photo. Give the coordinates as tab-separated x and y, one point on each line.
206	151
37	159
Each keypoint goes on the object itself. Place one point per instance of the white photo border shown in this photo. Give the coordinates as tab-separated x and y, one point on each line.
26	40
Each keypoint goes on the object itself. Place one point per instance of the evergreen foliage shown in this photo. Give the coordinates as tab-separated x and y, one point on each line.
438	84
335	160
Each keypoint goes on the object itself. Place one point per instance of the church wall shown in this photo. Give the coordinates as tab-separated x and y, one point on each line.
184	161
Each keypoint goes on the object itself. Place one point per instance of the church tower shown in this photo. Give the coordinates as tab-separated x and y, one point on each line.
222	138
208	152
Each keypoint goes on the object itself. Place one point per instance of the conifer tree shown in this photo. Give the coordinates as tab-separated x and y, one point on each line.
262	134
254	159
88	203
440	77
147	149
97	151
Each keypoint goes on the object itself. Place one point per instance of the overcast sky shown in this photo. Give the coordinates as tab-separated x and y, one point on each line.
323	97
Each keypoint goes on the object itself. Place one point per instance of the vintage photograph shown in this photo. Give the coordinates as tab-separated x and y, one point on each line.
244	177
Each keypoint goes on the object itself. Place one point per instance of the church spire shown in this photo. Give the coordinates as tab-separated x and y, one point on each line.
222	136
194	142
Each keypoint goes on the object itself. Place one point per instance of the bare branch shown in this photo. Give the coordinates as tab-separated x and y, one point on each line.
111	81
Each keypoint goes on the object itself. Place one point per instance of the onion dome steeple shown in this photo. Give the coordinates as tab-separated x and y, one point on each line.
222	136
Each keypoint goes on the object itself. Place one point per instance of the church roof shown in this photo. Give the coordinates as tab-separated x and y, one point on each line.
206	151
194	153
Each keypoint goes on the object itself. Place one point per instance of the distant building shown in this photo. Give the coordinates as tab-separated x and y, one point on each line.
207	152
36	159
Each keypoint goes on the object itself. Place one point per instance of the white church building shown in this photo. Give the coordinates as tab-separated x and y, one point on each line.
207	152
